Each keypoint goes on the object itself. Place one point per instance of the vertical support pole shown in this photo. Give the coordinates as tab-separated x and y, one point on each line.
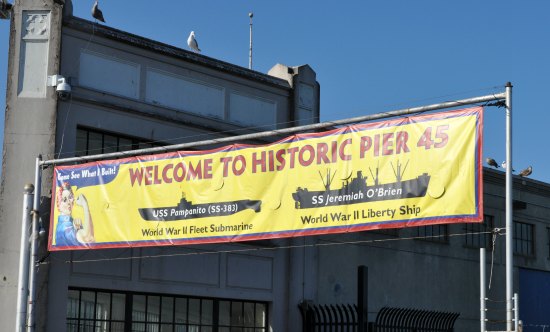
251	14
516	312
22	281
362	298
482	294
34	248
306	319
509	221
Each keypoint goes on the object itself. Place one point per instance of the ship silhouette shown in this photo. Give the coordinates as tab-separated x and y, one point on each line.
185	210
356	190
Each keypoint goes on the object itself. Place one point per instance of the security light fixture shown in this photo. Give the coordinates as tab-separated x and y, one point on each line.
62	88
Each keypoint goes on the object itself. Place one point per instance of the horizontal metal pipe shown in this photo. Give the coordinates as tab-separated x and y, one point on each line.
284	131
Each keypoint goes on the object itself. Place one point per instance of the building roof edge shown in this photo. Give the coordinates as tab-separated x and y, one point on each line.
519	183
83	25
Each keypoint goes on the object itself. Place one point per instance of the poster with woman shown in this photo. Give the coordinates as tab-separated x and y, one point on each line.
71	231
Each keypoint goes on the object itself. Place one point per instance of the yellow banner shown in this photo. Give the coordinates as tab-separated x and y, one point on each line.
410	171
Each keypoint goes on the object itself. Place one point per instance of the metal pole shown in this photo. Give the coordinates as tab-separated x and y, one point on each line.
283	131
482	294
34	248
516	312
509	221
251	14
22	281
362	297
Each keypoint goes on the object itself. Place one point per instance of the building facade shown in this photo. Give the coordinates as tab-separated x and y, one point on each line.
129	92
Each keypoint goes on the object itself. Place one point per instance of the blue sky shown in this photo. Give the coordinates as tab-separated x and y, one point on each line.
372	56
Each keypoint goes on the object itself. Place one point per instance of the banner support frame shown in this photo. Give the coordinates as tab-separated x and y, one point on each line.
505	96
283	131
509	212
34	238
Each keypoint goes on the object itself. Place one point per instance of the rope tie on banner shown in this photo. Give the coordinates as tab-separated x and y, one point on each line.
499	104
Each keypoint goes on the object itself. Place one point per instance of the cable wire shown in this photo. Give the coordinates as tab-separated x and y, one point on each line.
497	301
257	249
71	96
495	233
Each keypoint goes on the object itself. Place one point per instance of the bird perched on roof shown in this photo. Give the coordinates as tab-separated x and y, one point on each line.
526	172
504	166
5	5
192	42
96	12
491	162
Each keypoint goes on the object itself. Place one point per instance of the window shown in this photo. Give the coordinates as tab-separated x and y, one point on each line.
433	233
386	231
90	142
548	239
523	239
242	316
478	235
89	310
95	311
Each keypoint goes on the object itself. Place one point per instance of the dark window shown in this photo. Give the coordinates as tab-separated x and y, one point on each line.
93	141
478	235
90	310
548	237
386	231
523	239
433	233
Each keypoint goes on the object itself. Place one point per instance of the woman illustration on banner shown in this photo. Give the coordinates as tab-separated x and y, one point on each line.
69	231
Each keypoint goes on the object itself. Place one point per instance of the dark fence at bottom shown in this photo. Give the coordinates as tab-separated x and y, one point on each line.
414	320
343	318
328	318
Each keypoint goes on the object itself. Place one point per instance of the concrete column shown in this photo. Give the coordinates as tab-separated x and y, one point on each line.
29	131
305	97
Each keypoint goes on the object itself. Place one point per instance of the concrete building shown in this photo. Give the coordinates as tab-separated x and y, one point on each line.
129	92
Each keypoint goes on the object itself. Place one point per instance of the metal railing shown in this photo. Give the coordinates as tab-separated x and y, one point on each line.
344	318
329	318
414	320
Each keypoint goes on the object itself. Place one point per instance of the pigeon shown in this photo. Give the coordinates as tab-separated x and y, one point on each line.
491	162
5	6
96	13
192	42
504	166
526	172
